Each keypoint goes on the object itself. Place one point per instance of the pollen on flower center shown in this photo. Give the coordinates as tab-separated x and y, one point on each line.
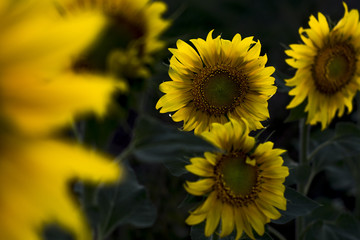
237	182
219	89
333	68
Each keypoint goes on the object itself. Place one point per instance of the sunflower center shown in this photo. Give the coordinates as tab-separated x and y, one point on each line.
334	67
236	180
219	89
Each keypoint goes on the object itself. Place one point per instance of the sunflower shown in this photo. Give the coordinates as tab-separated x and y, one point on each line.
134	27
39	90
35	179
243	183
327	66
40	94
223	79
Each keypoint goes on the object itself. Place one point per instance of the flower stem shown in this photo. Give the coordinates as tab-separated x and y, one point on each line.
302	187
304	142
357	201
356	177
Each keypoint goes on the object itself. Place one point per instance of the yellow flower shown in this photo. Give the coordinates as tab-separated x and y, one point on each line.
35	180
223	79
243	185
327	72
39	94
137	24
39	90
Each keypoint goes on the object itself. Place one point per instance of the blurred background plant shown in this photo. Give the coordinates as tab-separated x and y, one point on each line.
151	203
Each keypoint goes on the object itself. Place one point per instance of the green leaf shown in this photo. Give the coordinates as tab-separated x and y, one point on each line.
343	144
297	173
297	205
177	166
292	165
144	215
155	142
329	210
345	129
302	173
330	222
319	230
99	132
340	176
347	227
297	113
188	200
126	203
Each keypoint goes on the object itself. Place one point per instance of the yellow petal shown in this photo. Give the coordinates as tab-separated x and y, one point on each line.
37	175
243	220
40	106
194	219
191	53
256	218
268	209
199	187
208	204
173	102
200	167
213	218
227	220
211	158
27	44
239	223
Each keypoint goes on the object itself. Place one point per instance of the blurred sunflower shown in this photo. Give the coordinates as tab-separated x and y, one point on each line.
35	179
223	79
39	90
327	72
243	183
132	36
39	94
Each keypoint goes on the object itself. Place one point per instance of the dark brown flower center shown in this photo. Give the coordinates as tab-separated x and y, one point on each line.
219	89
333	68
237	181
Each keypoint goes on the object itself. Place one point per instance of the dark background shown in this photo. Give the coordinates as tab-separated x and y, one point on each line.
276	25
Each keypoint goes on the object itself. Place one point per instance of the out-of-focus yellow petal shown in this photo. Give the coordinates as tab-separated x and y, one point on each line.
35	185
38	106
48	44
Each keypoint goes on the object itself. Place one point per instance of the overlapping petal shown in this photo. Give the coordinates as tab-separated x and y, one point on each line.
35	179
241	57
139	24
323	105
40	94
223	204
